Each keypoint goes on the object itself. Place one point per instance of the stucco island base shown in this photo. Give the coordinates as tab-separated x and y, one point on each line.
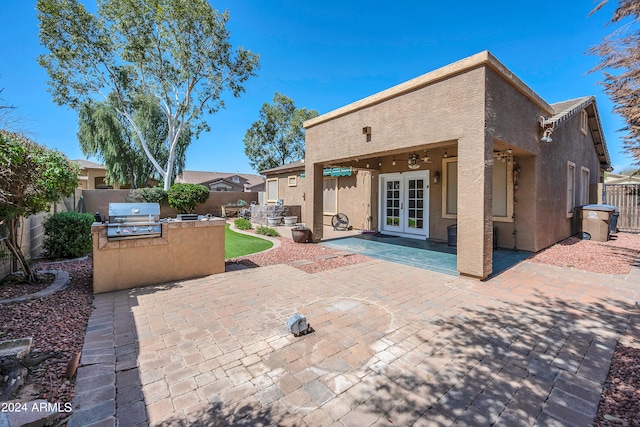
187	249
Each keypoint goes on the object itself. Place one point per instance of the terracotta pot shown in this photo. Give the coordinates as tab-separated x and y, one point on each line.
300	235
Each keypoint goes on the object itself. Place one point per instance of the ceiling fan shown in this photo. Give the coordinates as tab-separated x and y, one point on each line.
427	159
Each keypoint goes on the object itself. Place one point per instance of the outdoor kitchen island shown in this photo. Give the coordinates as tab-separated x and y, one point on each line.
183	250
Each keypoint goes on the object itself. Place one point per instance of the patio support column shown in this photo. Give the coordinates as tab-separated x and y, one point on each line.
475	224
313	201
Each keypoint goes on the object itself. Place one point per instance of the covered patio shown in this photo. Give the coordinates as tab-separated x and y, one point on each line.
424	254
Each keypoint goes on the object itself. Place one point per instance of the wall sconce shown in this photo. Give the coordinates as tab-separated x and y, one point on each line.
394	161
445	155
547	129
436	177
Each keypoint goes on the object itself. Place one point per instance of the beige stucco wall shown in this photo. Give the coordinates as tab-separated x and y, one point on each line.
98	201
186	250
540	219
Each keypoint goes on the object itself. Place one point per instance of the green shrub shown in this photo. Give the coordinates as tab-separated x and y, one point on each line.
185	197
148	194
68	234
267	231
243	224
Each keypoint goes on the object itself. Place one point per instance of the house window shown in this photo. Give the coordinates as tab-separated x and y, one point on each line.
571	177
330	196
584	186
272	190
449	188
292	180
584	122
502	188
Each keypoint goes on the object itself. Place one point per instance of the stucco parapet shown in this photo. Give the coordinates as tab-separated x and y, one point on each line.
484	58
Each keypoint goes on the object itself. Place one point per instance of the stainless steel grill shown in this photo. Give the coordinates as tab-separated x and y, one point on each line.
133	221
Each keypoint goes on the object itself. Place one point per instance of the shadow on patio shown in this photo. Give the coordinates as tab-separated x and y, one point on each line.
412	350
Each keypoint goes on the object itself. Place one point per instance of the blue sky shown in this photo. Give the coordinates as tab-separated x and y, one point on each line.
328	54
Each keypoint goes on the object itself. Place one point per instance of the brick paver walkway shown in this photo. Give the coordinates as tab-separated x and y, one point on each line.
393	345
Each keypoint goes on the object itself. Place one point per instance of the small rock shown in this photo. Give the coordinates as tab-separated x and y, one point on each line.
612	418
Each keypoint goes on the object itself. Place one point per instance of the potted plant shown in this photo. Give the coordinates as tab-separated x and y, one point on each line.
185	198
300	233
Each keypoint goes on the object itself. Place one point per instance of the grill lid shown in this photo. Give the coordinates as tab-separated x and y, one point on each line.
134	210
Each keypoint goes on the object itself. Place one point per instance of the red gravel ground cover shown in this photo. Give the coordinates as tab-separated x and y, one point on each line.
290	252
57	324
613	257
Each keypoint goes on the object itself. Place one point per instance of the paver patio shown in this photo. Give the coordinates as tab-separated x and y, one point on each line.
393	345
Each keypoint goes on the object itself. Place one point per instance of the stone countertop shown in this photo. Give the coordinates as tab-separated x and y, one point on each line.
171	224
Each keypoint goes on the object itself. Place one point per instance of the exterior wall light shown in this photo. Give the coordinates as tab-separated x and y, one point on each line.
547	129
436	177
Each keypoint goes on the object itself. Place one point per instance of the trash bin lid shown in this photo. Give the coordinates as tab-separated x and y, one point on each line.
600	207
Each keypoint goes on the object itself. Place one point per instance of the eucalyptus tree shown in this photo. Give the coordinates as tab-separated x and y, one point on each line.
176	52
104	133
277	138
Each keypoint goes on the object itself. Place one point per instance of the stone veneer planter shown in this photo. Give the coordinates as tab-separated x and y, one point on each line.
260	213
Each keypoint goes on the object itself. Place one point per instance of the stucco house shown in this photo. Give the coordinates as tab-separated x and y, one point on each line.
223	181
92	175
345	190
468	144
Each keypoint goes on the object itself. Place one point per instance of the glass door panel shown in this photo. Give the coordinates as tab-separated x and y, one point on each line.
392	204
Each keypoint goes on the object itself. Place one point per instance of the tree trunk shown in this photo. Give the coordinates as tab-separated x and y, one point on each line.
14	247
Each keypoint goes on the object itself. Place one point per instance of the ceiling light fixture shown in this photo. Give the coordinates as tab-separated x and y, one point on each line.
413	161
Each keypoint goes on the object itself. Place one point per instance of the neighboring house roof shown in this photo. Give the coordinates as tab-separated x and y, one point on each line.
204	177
289	167
238	186
86	164
614	178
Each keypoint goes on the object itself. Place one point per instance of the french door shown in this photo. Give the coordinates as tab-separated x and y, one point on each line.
404	204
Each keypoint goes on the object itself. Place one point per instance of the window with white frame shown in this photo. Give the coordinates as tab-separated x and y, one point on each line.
584	186
330	196
272	189
571	198
502	188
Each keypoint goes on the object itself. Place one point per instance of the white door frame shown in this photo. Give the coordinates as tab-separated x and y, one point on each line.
403	229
